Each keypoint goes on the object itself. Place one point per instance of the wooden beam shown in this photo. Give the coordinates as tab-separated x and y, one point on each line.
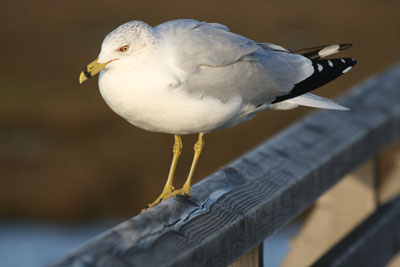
373	243
335	214
236	208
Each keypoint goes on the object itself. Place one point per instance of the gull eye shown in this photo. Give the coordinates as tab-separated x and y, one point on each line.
124	48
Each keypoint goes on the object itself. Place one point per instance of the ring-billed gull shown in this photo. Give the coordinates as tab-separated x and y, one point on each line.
185	77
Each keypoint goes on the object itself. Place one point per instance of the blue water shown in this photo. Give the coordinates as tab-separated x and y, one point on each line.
277	246
36	245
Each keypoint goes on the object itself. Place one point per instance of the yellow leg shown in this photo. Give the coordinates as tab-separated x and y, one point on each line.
169	188
185	190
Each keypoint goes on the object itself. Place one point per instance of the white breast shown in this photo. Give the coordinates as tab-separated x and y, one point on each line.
146	99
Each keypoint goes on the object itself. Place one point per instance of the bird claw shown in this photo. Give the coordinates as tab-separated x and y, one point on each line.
154	203
164	196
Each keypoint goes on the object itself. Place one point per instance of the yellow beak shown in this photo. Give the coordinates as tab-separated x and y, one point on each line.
91	70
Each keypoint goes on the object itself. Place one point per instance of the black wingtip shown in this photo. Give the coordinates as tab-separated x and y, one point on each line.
325	70
322	50
345	46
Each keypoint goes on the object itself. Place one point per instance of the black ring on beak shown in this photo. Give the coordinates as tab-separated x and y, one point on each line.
87	73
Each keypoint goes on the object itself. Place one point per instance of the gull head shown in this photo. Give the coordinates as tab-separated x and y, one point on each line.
128	42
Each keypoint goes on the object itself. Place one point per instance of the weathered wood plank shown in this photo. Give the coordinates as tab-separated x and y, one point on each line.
240	205
373	243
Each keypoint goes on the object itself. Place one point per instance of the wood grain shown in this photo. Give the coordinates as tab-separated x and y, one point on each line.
234	209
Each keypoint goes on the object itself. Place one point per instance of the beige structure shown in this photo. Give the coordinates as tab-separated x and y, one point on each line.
341	209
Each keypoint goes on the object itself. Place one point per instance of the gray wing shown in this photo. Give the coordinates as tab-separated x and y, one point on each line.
203	44
222	64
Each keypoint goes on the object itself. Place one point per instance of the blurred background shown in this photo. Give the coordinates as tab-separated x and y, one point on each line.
67	159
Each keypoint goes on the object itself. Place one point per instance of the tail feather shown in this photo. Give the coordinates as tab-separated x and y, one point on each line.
315	101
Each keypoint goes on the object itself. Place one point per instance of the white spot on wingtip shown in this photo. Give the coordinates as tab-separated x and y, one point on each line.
330	63
344	61
329	50
346	69
320	68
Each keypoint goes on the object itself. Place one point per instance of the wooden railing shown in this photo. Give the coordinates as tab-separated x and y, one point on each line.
373	243
233	210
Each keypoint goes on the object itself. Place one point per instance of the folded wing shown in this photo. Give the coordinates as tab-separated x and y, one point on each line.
220	64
